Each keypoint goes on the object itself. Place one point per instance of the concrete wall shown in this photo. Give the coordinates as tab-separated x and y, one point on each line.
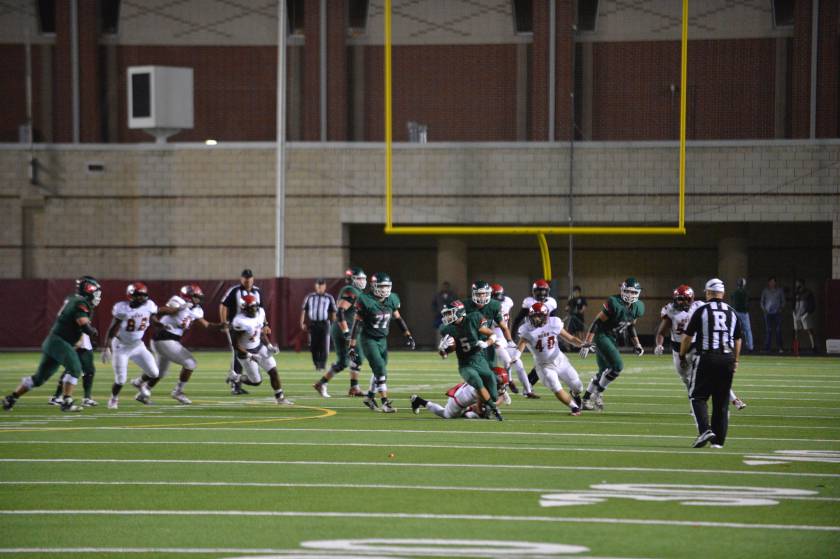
171	212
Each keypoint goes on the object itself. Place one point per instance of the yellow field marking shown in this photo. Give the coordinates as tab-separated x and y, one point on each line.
326	412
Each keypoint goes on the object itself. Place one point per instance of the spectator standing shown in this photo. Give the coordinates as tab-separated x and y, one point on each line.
740	302
229	306
443	298
803	310
317	312
576	307
772	303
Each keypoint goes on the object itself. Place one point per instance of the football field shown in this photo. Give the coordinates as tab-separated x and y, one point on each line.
240	476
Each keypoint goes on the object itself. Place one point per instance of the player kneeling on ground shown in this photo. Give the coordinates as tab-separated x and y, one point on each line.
462	402
254	349
542	334
463	333
166	341
73	320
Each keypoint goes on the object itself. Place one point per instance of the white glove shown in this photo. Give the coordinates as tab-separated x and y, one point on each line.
273	349
658	350
481	344
445	343
584	350
106	355
639	350
514	354
511	344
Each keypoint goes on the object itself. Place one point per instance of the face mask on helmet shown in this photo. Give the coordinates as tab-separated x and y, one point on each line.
540	290
359	281
89	288
498	292
451	314
538	316
630	294
96	297
381	289
481	294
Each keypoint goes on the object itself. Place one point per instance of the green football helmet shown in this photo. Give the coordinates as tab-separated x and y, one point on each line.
356	277
630	290
453	312
89	288
380	285
481	292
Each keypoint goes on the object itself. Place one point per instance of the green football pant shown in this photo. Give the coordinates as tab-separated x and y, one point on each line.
55	353
375	351
610	363
342	350
478	375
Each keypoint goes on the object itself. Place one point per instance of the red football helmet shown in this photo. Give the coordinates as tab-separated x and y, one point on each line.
538	315
250	305
540	290
137	292
498	291
502	377
192	293
683	297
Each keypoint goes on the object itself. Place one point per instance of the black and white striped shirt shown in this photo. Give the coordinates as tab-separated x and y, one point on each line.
716	327
232	298
318	307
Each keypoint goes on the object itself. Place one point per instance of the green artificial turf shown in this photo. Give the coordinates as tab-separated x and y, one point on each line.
240	476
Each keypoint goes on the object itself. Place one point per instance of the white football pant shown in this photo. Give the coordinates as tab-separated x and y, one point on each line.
137	353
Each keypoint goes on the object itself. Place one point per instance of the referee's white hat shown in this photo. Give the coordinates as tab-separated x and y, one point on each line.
715	285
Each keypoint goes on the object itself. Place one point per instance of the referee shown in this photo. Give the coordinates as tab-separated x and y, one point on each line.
715	332
229	307
317	312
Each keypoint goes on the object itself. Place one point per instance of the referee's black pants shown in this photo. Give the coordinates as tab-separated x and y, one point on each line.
712	378
319	342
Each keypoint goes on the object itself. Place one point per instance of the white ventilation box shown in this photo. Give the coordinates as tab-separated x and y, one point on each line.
160	100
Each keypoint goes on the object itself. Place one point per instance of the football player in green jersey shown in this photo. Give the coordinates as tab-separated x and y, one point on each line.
374	313
618	315
469	334
58	348
491	309
356	281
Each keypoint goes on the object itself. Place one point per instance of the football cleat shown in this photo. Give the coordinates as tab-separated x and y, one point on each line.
231	378
56	400
69	406
497	414
321	389
8	403
415	404
599	402
575	412
143	399
506	398
370	403
89	403
513	387
178	395
283	401
355	392
739	404
704	438
387	407
113	403
237	390
141	386
715	445
588	404
532	396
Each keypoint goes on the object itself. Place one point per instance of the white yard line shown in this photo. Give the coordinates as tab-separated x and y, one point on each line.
424	516
480	489
430	432
391	463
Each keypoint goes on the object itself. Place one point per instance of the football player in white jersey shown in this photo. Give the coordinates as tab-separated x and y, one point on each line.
540	293
124	342
503	348
462	402
675	316
181	312
542	334
254	349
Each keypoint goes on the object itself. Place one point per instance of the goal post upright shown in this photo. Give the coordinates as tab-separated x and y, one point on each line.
539	230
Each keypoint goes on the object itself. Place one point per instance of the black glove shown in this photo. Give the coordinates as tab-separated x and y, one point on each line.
410	343
354	356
